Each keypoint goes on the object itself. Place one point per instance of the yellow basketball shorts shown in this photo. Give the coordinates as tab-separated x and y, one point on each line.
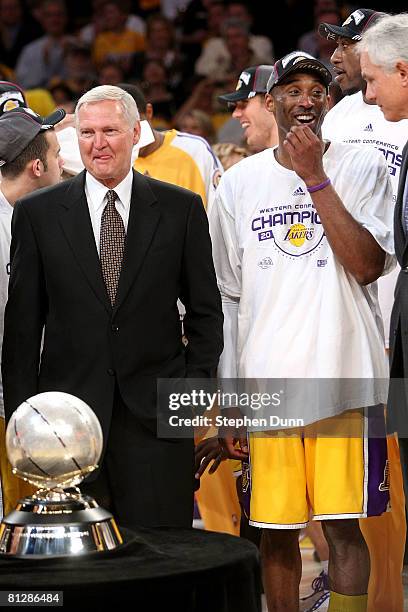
316	472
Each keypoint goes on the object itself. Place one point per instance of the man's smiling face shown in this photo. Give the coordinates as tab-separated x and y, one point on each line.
300	100
256	121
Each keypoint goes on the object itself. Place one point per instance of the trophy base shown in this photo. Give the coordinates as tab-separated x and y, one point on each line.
71	525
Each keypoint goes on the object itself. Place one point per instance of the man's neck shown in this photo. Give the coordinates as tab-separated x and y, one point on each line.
15	189
282	157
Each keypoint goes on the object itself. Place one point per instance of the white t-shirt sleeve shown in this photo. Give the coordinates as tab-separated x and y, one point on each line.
372	203
227	261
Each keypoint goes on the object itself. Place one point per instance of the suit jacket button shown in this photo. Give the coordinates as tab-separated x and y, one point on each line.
114	328
111	372
405	269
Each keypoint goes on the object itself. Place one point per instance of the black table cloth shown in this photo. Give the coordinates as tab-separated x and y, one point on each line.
155	569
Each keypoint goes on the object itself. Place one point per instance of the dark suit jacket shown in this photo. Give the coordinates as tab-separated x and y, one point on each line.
89	348
400	311
397	402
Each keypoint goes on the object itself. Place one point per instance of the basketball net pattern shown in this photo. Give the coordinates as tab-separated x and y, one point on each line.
112	244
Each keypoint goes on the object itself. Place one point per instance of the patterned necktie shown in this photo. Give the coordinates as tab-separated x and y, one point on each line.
112	244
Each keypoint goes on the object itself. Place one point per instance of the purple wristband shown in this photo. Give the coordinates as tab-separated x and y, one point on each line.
320	186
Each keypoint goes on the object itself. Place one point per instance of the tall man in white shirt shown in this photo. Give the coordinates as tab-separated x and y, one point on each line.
29	158
294	245
98	265
357	120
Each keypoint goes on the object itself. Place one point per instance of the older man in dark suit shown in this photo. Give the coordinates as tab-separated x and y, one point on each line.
98	263
384	64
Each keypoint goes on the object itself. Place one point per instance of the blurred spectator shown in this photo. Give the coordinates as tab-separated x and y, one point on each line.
161	44
261	45
216	15
204	97
236	52
80	72
15	32
193	26
110	73
172	8
42	59
154	86
197	122
116	42
63	96
88	33
97	25
229	153
316	45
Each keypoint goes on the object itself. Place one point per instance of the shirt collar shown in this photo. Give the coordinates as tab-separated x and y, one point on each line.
99	191
5	205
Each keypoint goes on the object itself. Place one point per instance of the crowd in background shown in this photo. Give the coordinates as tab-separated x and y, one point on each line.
182	53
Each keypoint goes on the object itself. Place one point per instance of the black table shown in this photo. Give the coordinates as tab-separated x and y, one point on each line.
162	569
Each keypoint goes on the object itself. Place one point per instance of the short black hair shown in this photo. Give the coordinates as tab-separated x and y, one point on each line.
37	149
137	94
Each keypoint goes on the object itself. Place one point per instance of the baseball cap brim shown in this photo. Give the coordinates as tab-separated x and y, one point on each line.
52	119
304	64
334	32
236	96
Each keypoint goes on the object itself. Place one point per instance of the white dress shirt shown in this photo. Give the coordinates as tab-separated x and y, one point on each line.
96	197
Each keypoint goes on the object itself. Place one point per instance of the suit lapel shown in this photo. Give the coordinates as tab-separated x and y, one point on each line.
400	237
143	219
77	227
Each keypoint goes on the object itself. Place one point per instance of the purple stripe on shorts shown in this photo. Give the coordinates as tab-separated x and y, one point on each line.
378	472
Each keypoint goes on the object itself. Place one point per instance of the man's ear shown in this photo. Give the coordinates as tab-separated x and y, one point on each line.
36	167
270	102
149	112
402	69
136	133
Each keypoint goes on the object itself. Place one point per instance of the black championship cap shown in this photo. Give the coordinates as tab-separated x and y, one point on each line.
353	27
19	126
296	62
251	81
11	96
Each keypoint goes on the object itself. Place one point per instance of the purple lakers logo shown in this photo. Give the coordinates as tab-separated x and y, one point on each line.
385	484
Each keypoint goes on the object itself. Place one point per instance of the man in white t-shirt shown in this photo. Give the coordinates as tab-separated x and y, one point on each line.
29	159
357	121
298	232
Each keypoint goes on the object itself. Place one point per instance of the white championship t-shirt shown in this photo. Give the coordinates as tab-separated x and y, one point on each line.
352	120
300	314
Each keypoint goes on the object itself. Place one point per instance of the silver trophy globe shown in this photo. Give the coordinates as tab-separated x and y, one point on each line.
53	441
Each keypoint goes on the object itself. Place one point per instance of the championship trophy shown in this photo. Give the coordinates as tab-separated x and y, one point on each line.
53	441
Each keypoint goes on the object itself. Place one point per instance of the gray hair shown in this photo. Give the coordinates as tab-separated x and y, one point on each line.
386	41
110	92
